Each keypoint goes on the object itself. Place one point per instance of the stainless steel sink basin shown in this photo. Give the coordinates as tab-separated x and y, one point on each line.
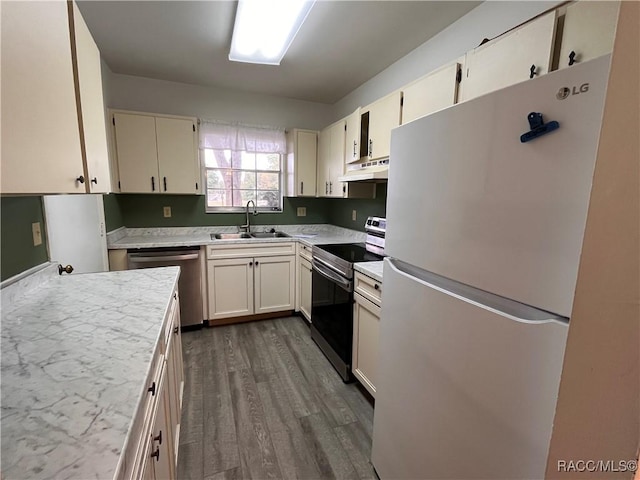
229	236
269	235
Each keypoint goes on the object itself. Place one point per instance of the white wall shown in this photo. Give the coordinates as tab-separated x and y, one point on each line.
487	20
159	96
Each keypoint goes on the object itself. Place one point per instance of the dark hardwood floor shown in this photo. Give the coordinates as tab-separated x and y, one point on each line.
261	401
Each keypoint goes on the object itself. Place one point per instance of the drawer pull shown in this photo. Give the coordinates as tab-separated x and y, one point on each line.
152	389
176	330
156	454
376	286
158	438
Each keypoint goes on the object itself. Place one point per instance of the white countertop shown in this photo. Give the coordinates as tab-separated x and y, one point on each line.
76	353
370	269
126	238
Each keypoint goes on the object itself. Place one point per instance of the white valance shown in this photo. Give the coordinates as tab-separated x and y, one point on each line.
237	137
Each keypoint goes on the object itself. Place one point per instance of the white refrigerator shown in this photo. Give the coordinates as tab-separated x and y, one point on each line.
484	234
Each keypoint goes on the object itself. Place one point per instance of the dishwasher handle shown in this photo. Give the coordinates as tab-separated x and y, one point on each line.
178	257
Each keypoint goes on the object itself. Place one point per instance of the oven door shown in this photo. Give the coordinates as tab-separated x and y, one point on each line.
332	317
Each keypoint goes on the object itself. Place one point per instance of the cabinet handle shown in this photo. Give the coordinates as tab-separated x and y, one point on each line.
326	187
80	179
251	264
153	184
354	148
376	286
156	454
532	71
301	188
158	438
94	180
175	296
330	187
257	263
165	183
176	330
572	58
370	147
152	389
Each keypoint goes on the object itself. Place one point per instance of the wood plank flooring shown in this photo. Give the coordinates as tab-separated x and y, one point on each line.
261	401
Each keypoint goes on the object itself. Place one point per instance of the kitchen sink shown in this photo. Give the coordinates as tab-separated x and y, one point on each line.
229	236
269	235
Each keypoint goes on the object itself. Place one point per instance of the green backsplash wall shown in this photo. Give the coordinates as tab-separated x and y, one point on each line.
139	211
341	209
18	253
188	210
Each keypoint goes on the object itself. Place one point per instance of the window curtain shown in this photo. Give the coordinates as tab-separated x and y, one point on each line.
237	137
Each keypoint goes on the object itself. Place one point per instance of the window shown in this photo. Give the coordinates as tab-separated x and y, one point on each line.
242	163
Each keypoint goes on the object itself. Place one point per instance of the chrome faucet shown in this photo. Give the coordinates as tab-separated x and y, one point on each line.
247	227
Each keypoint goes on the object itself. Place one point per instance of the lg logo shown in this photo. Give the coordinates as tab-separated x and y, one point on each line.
565	92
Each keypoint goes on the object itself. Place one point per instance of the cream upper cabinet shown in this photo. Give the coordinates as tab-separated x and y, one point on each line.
516	56
588	31
433	92
378	119
137	153
156	154
302	157
331	160
42	144
352	138
274	279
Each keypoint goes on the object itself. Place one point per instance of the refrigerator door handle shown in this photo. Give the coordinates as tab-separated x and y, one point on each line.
505	307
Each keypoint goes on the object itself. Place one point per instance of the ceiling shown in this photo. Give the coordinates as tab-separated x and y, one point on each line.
341	45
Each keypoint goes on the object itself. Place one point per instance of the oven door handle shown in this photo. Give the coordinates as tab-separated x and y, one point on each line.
329	275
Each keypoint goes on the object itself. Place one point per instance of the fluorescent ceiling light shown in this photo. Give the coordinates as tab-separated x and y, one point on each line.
264	29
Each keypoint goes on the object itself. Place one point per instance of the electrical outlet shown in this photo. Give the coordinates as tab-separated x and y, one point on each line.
167	212
302	211
37	234
354	215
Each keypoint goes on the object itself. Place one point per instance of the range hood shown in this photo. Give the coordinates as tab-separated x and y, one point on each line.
367	172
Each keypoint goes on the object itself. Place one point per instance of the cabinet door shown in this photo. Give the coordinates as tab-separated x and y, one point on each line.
174	378
136	151
431	93
366	325
92	106
588	31
306	162
274	283
509	58
162	436
384	115
177	155
230	287
305	288
352	138
40	134
336	159
324	148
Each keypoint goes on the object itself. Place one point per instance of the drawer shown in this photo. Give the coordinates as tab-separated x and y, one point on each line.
304	251
238	250
369	288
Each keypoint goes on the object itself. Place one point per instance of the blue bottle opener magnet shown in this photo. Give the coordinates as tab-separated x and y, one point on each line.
538	127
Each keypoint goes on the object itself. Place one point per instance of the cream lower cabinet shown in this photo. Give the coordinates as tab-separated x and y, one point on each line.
303	281
366	327
250	279
151	451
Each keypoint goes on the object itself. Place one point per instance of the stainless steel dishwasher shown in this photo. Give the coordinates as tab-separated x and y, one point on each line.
189	284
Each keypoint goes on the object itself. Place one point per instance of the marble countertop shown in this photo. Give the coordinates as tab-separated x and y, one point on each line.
312	234
370	269
76	353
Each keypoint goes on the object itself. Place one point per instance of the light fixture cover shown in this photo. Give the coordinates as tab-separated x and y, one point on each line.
264	29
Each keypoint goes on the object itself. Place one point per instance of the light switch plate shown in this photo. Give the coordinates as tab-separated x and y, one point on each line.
37	234
354	215
302	211
167	212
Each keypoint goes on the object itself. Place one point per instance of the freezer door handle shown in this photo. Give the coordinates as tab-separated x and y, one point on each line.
505	307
